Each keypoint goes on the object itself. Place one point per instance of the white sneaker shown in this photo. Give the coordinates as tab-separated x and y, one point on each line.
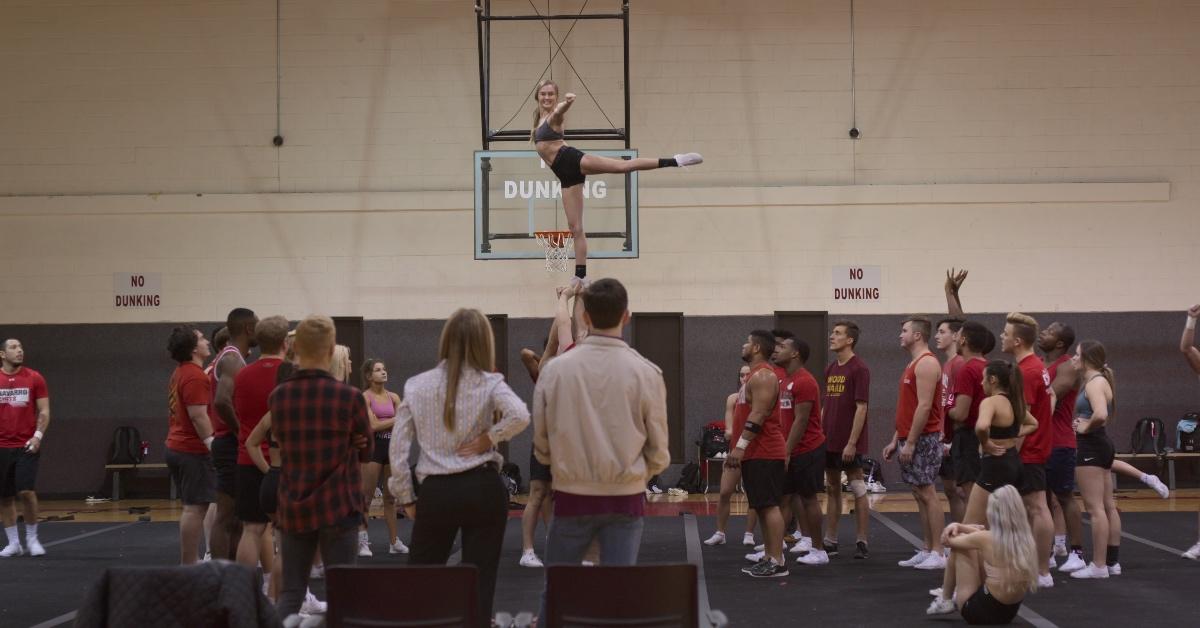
917	559
1114	570
207	557
1193	553
804	545
689	159
1046	581
313	606
1153	482
876	487
587	563
1050	564
529	559
35	547
760	547
748	539
815	557
718	538
936	592
1091	571
317	572
364	545
756	556
397	547
655	489
935	561
14	549
1060	550
941	606
1074	563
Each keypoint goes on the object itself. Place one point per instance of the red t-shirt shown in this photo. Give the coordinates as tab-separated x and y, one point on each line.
220	428
769	444
189	387
1036	449
19	393
845	385
906	405
1064	411
251	388
794	389
969	381
949	370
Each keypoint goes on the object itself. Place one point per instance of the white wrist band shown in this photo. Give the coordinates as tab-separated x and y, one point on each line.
742	443
208	442
38	435
1191	323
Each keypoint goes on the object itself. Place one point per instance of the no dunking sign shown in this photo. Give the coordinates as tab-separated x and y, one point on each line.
856	283
136	290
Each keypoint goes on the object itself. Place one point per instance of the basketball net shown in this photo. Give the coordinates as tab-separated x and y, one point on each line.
558	245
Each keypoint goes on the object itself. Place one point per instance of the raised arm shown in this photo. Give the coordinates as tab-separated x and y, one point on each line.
556	118
1187	343
954	281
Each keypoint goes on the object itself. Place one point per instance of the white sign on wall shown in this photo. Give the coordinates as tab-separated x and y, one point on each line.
856	283
135	290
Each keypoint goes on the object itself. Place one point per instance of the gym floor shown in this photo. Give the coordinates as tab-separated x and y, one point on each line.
88	538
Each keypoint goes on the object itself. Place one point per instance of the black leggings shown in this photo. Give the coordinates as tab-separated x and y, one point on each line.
475	502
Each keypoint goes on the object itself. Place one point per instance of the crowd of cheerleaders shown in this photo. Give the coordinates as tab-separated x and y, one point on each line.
1011	441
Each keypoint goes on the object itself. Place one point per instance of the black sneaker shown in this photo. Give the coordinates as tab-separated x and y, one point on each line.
751	568
768	569
861	550
830	548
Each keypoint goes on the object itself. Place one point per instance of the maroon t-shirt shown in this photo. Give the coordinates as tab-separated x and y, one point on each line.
845	385
801	387
969	381
1064	411
1036	448
19	394
949	370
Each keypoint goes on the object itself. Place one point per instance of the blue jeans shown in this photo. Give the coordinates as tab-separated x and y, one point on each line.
567	540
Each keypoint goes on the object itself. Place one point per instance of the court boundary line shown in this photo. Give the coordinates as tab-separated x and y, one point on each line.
57	621
1026	613
90	534
1087	520
691	533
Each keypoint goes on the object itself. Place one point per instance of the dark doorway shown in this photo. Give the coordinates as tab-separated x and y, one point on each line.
812	328
659	337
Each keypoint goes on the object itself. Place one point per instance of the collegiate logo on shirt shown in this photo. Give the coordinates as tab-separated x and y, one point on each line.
16	397
835	385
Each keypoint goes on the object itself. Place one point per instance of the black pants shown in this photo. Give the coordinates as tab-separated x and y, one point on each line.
476	503
338	545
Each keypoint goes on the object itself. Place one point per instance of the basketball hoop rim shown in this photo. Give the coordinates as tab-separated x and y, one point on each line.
553	238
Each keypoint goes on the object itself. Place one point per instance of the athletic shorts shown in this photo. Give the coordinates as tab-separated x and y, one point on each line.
805	473
247	504
833	461
268	492
763	481
538	471
946	470
1060	471
926	460
997	471
382	443
566	166
18	470
982	609
1095	450
1033	478
194	475
965	452
224	459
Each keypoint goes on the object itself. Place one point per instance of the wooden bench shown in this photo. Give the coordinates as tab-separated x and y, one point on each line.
118	468
1167	459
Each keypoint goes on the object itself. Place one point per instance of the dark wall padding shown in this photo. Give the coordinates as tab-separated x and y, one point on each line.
102	376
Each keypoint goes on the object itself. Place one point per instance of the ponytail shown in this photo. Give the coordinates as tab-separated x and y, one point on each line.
1092	354
1012	383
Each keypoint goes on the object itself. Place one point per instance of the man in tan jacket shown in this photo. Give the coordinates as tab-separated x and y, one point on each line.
600	423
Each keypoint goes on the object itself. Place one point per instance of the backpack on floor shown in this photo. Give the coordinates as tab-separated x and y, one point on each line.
1186	438
872	470
126	446
510	474
712	442
1149	436
689	479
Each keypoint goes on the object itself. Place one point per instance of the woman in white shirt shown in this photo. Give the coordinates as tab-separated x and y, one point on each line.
449	410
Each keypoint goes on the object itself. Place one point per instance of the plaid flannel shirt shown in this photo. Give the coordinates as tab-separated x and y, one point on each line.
314	418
